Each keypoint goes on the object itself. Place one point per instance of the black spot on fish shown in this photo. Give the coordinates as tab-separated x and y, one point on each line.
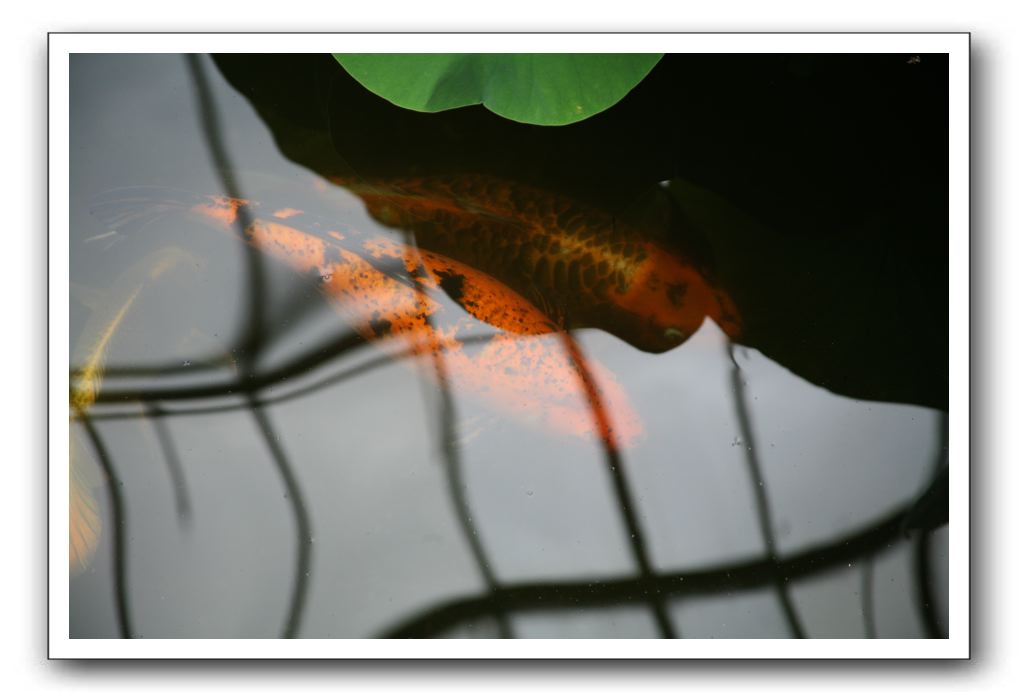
452	284
381	327
417	273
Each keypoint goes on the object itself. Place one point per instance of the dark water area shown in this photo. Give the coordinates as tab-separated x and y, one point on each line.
678	370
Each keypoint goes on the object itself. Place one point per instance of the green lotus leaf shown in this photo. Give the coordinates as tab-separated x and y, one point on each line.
534	88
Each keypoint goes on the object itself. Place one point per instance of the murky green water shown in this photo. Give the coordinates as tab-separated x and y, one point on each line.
265	463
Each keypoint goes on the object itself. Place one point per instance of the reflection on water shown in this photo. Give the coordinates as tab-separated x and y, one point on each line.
442	405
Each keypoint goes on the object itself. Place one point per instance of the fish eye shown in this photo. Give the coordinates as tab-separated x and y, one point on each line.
674	334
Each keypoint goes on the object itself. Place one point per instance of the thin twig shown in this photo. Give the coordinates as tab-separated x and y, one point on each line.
181	497
301	516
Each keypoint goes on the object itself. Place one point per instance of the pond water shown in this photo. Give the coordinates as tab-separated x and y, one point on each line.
280	447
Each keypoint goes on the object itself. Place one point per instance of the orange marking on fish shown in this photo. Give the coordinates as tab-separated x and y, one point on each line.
222	209
286	213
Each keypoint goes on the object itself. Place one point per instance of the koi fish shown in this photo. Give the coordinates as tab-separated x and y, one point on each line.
427	304
582	264
85	523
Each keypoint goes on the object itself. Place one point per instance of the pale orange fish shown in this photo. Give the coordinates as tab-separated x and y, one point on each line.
426	302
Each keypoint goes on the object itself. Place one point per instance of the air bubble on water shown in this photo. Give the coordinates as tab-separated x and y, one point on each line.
530	493
737	441
186	363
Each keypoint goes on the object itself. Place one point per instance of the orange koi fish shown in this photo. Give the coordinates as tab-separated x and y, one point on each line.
426	302
589	268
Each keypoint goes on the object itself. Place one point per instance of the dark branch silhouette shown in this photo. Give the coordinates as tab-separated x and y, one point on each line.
763	510
117	528
454	469
500	600
181	497
252	342
582	593
926	604
620	486
869	623
301	516
926	599
253	332
234	387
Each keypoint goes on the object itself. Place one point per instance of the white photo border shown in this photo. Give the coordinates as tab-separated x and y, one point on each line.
956	45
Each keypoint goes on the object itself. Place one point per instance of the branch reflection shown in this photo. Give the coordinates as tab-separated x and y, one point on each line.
247	390
760	496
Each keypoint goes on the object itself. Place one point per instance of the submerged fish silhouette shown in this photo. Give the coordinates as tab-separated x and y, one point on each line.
424	302
589	267
86	381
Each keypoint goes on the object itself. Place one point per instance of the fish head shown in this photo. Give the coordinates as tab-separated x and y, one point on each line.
671	299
